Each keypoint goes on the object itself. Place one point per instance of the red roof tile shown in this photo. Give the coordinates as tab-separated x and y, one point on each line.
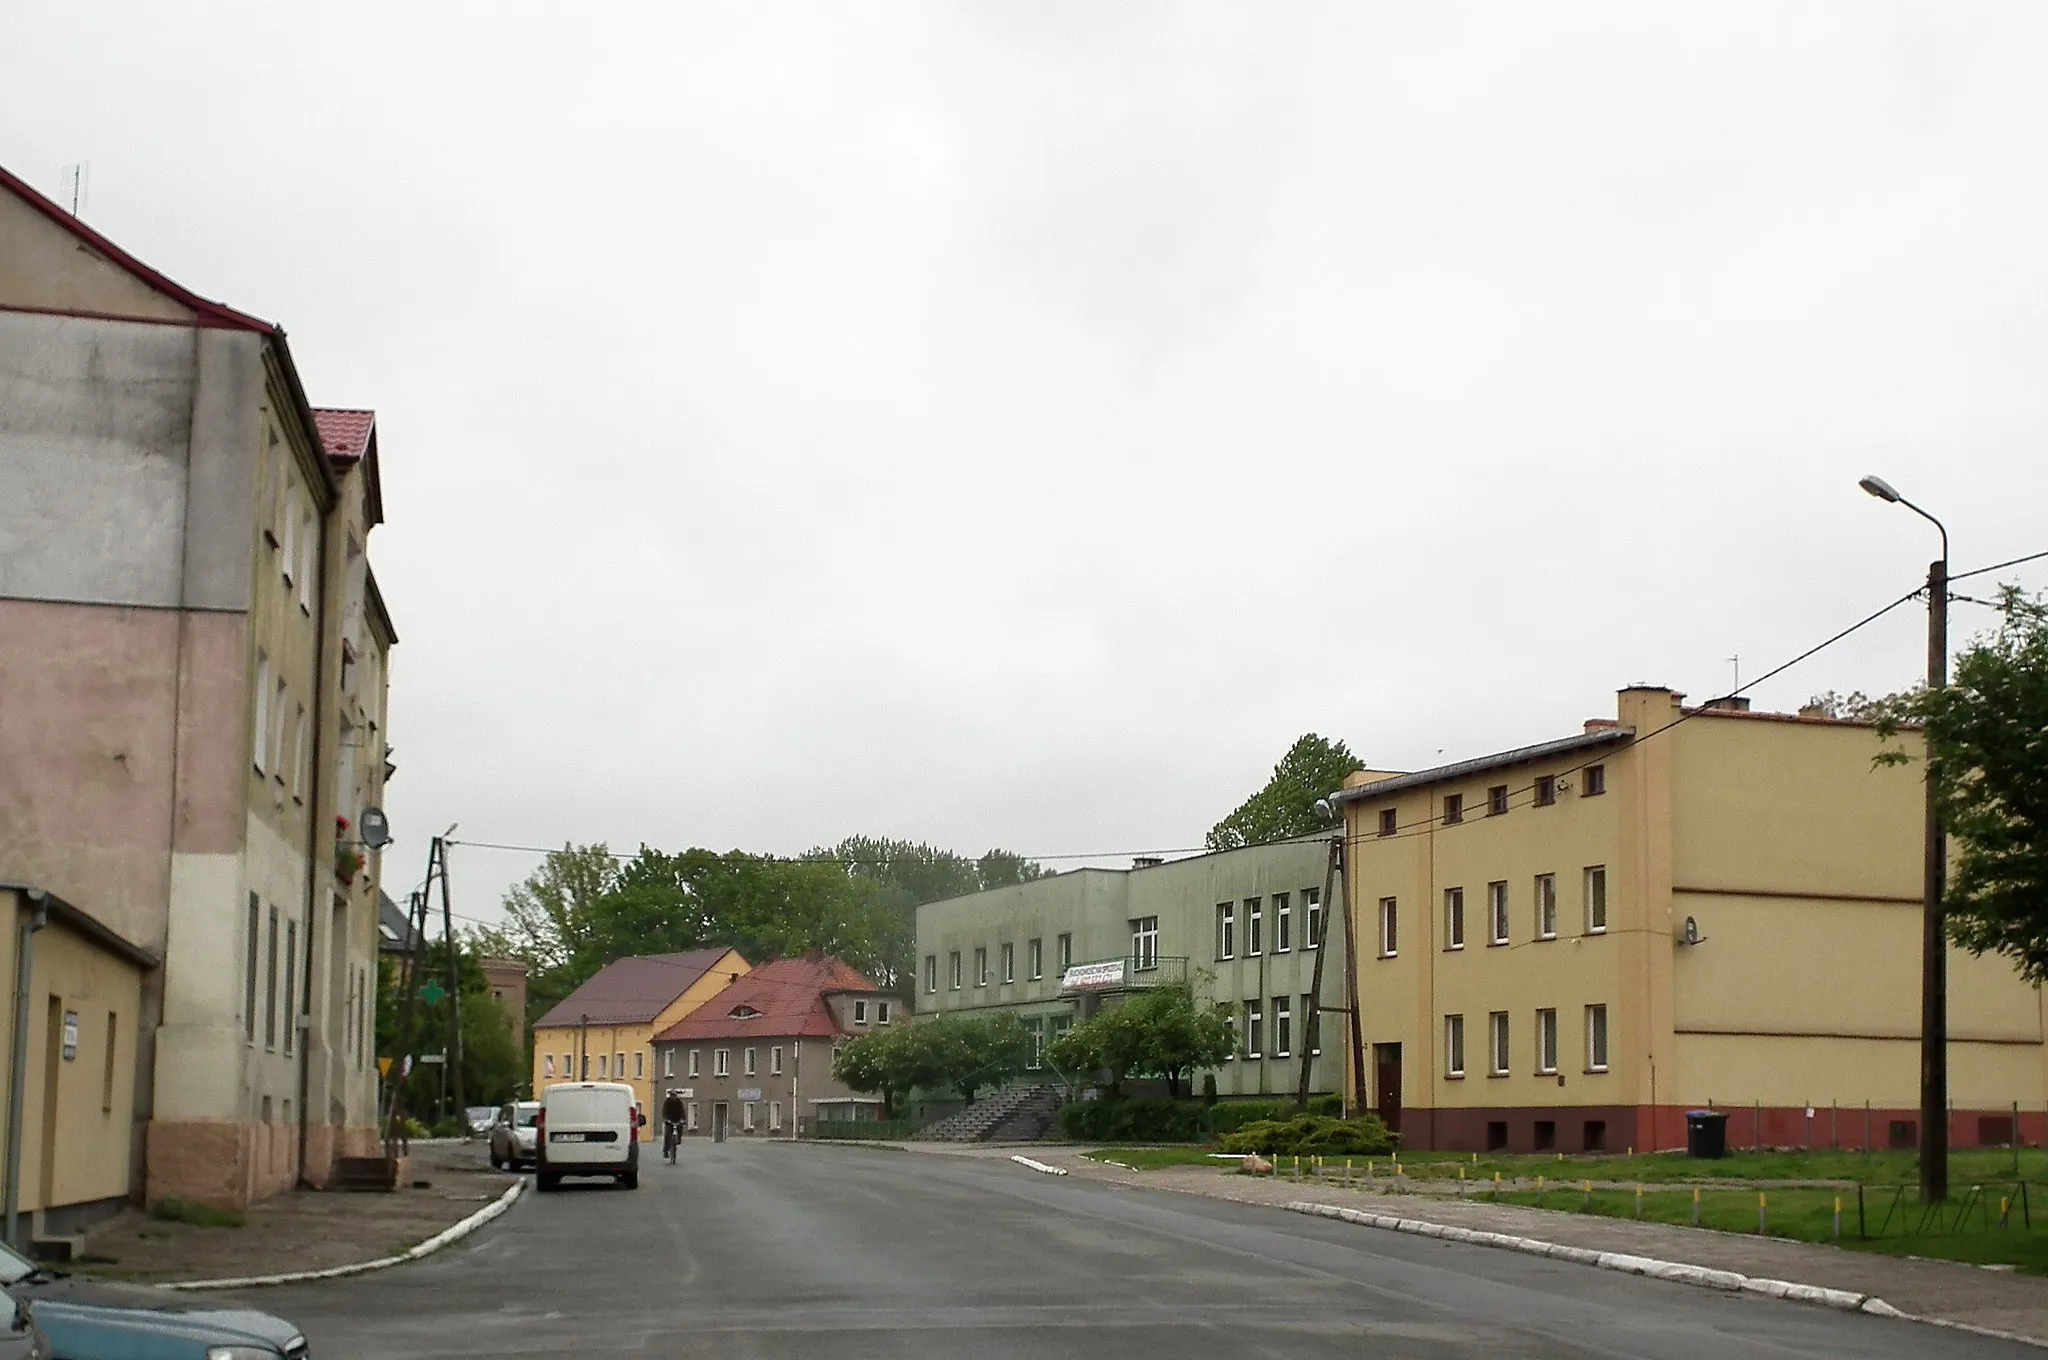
346	433
786	998
633	991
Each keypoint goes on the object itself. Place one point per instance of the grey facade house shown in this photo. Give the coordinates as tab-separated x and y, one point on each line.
1244	927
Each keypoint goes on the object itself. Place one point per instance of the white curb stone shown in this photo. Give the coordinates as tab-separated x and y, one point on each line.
1022	1160
426	1248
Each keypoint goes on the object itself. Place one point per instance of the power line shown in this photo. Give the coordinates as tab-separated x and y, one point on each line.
1999	566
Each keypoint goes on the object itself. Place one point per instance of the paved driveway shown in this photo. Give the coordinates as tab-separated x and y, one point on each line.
844	1252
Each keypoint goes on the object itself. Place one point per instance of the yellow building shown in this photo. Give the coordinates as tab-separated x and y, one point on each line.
75	1057
604	1030
1571	944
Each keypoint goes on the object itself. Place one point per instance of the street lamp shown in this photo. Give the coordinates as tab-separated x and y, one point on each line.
1933	935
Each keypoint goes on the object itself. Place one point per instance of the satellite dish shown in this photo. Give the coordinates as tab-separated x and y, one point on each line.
374	828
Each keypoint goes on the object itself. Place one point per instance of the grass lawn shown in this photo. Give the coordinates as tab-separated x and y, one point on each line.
1965	1230
1967	1166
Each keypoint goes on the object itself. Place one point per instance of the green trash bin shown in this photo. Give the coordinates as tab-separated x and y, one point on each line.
1706	1134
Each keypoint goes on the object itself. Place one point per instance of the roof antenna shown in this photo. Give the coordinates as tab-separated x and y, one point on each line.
78	179
1736	662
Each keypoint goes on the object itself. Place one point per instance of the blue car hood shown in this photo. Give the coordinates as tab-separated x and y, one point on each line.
82	1317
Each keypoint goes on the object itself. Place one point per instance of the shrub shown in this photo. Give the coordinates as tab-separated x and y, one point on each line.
1309	1134
448	1128
1231	1115
1331	1105
1132	1121
170	1209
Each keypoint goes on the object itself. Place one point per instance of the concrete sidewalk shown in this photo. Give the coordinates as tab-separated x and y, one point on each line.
301	1229
1969	1296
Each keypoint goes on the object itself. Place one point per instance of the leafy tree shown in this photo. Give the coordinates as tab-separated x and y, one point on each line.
1987	731
1162	1033
890	1063
493	1067
1313	768
1855	704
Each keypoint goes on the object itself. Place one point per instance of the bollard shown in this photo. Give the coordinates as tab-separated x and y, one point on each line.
1368	1170
1539	1192
2004	1208
1586	1204
1695	1206
1496	1187
1347	1173
1838	1218
1297	1168
1763	1222
1639	1201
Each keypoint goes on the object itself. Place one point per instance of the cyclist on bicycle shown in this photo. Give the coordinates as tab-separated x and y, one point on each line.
671	1122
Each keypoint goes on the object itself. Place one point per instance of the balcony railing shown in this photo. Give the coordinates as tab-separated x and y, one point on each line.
1132	972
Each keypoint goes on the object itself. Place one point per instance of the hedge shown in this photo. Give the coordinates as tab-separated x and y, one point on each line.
1302	1135
1132	1121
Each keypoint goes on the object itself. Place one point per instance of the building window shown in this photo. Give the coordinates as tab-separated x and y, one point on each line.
747	1061
1596	900
1034	1057
721	1062
1546	1042
746	1116
1546	790
618	1067
774	1116
604	1066
1454	1045
569	1067
696	1061
259	740
1254	927
1546	906
1498	1022
690	1116
881	1012
1497	909
953	970
249	963
981	966
547	1066
288	558
1390	920
1009	963
1254	1029
270	987
1312	906
668	1062
1496	800
277	737
1034	955
639	1066
308	545
860	1013
1283	924
1312	1024
1454	808
1388	820
1226	930
1596	1038
931	973
291	987
1064	946
302	756
1144	943
1283	1027
1454	918
1595	782
775	1061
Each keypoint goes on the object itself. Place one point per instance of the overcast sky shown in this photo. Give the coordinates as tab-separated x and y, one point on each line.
1014	424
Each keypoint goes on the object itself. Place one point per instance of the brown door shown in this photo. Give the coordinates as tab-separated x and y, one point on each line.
1387	1083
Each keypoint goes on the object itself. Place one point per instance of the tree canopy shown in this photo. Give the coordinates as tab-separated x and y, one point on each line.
964	1052
1313	768
1987	731
1163	1033
494	1070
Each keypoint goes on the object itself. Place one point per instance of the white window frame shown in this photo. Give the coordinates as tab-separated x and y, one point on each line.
690	1116
1596	898
1499	1039
746	1116
259	746
953	969
775	1060
277	738
1390	927
721	1062
1009	952
1546	1042
881	1012
1454	1046
981	966
639	1065
668	1062
547	1066
696	1062
603	1066
931	975
774	1116
1454	918
750	1060
288	557
1254	927
1144	944
301	755
1498	926
1312	910
1312	1024
1035	954
1546	906
1065	945
860	1014
1283	1027
1254	1029
1226	931
1283	923
1596	1038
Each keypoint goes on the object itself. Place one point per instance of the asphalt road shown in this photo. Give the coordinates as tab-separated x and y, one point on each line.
756	1250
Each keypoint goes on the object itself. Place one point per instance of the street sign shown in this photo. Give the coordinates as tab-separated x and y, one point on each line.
750	1093
433	1057
383	1067
433	994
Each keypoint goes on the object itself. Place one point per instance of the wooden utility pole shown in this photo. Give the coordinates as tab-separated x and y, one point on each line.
1313	1021
440	854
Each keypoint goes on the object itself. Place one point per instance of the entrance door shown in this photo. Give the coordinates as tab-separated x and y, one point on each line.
718	1118
1387	1083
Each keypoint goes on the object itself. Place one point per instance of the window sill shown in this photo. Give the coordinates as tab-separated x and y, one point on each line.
1498	1076
1597	930
270	538
1596	1071
1454	1076
1545	939
1546	1071
1390	954
1454	949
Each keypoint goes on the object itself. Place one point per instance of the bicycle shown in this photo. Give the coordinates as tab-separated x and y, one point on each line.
671	1138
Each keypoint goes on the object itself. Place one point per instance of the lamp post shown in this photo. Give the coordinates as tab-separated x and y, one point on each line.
1933	935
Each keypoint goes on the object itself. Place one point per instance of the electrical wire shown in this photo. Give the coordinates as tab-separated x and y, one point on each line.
1999	566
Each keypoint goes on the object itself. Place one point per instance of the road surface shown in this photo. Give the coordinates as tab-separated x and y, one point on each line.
841	1252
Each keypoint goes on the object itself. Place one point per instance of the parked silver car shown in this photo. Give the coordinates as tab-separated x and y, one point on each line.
513	1134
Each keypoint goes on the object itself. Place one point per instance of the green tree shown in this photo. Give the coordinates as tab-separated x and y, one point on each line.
1313	768
1987	731
1163	1033
493	1068
891	1063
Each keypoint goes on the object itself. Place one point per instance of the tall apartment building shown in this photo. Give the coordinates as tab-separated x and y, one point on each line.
1569	945
192	694
1244	927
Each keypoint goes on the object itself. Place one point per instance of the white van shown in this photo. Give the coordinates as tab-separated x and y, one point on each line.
587	1128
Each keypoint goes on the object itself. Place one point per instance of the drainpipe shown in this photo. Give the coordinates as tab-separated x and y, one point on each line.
314	826
17	1072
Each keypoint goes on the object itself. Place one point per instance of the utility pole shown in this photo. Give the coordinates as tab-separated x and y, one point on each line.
583	1051
1934	932
439	853
1313	1021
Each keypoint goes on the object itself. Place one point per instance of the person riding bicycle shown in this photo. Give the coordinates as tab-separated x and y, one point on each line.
672	1119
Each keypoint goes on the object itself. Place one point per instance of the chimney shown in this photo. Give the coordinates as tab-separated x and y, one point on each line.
1147	862
1602	724
1733	703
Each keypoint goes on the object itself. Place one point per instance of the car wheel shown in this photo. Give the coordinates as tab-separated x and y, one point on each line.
497	1162
631	1180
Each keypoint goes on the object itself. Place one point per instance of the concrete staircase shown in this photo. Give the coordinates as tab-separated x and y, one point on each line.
1013	1114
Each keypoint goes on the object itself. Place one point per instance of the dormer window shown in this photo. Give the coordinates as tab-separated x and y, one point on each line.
744	1012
